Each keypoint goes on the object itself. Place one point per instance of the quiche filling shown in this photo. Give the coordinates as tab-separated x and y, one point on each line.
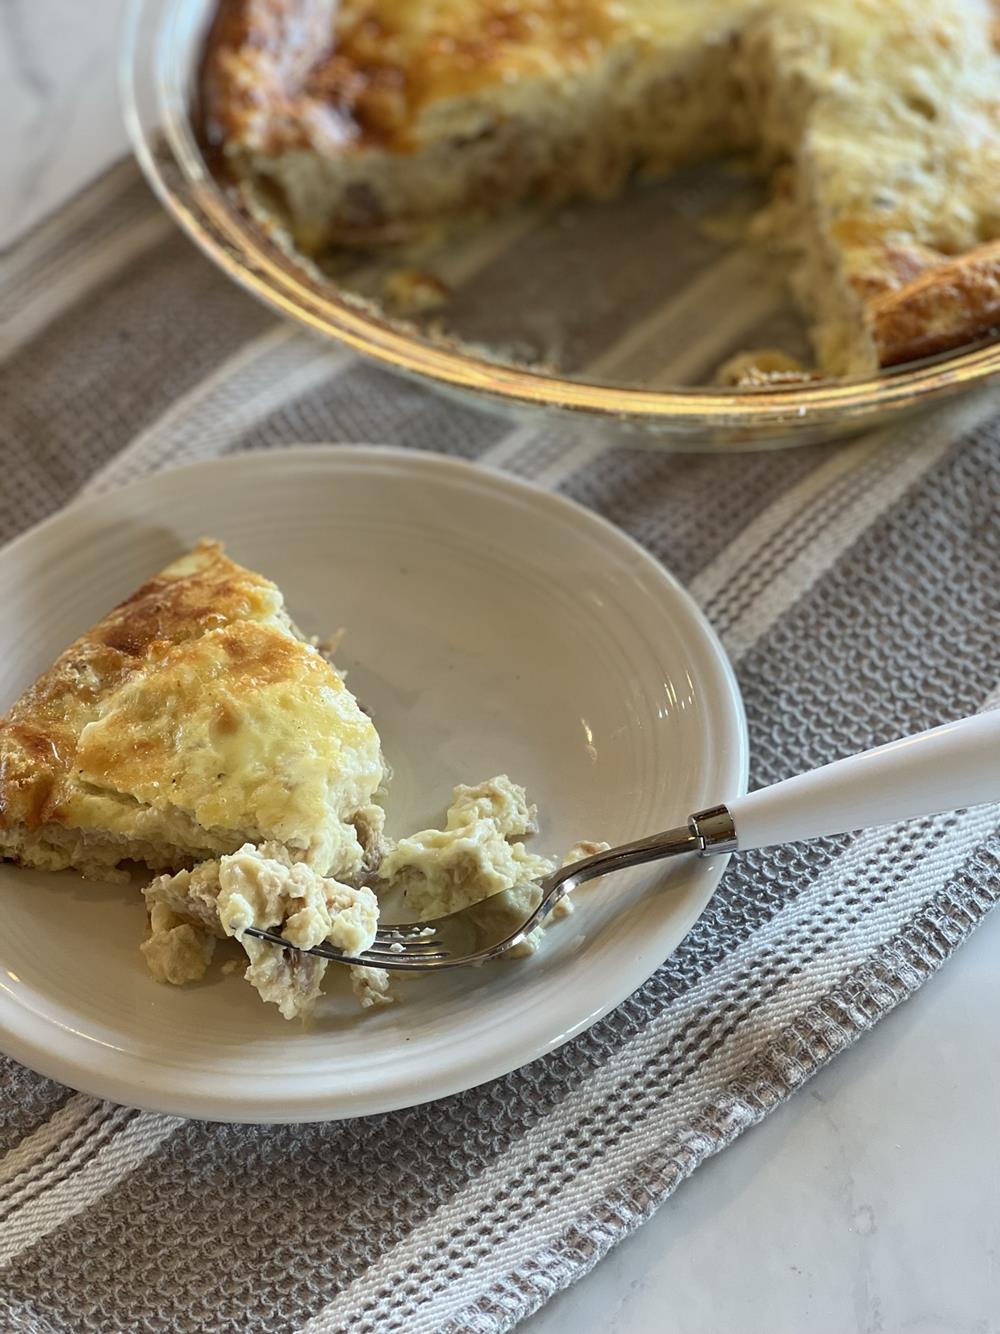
479	858
261	887
363	122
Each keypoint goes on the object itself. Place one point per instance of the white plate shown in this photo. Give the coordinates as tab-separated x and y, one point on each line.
491	627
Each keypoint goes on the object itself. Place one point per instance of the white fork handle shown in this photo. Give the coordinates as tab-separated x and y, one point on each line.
940	770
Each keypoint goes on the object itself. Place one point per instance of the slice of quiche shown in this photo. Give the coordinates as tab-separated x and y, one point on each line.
193	719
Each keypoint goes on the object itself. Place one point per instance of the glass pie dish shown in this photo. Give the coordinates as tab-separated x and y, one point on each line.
545	311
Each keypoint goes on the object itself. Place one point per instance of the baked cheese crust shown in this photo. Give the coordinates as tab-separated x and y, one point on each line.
365	120
192	719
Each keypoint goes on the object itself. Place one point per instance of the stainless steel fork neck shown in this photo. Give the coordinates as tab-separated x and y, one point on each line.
713	830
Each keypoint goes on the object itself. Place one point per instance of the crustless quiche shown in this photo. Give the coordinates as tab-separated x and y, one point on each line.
879	121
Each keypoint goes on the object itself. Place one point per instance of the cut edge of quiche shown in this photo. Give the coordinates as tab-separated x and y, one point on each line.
362	123
192	719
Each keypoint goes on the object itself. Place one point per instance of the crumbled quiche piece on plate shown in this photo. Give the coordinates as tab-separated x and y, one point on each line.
479	858
364	121
192	719
262	887
478	855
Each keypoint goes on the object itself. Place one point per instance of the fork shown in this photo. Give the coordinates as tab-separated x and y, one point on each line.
955	765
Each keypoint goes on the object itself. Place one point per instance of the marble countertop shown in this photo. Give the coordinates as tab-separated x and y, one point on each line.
871	1201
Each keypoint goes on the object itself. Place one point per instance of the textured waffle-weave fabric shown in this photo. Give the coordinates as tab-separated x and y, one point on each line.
854	586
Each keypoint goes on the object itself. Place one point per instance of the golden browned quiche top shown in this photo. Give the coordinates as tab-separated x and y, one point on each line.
292	73
190	719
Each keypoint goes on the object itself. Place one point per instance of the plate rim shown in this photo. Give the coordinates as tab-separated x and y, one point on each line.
83	1076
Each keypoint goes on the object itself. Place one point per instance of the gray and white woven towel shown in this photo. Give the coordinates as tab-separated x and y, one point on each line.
855	588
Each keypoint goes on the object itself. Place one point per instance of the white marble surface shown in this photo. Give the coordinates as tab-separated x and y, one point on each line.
867	1203
870	1202
58	103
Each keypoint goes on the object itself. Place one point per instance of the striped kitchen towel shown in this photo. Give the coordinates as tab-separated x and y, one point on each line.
855	588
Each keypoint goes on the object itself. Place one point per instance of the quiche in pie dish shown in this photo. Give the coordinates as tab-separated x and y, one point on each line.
364	121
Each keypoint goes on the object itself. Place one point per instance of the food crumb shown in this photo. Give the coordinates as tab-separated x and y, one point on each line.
413	292
762	368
